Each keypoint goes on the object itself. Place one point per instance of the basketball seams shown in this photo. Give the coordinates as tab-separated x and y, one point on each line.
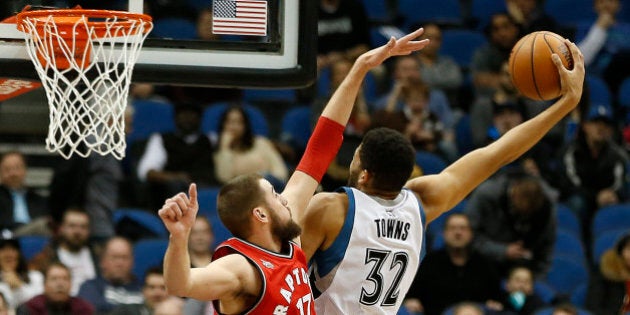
513	61
533	66
551	49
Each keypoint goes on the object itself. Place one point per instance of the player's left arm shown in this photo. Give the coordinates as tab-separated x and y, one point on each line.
327	136
441	192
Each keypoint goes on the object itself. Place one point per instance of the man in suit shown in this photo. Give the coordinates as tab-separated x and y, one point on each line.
22	210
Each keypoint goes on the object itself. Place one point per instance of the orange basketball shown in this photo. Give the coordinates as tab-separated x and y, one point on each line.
532	71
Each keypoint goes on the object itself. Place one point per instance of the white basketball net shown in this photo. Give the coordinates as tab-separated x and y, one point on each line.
88	95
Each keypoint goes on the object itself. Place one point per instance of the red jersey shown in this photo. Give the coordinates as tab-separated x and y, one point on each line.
286	289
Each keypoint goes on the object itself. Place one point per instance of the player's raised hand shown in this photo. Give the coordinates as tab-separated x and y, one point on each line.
179	212
395	47
571	80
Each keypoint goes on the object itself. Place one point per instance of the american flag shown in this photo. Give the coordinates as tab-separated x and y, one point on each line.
239	17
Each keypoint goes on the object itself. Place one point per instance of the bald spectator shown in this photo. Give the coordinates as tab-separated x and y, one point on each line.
116	284
153	292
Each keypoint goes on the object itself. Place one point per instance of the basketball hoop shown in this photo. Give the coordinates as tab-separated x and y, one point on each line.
85	60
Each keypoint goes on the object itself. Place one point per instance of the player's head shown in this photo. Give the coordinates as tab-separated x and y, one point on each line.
250	198
386	156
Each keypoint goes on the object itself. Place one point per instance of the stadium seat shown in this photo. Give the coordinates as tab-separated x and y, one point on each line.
414	12
605	241
429	162
377	11
624	93
599	91
461	45
212	116
570	12
566	274
270	96
207	199
567	220
578	296
296	126
463	135
609	218
482	10
544	291
151	117
569	245
144	218
148	253
175	28
32	245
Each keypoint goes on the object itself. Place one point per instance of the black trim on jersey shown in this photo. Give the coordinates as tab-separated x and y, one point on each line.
288	255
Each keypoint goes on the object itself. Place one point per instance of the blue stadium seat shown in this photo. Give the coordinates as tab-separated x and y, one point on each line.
599	91
324	89
463	135
569	245
461	45
609	218
32	245
151	117
207	199
296	126
377	11
269	96
175	28
148	253
415	12
605	241
212	116
578	296
482	11
570	12
566	274
144	218
546	292
567	220
624	93
429	162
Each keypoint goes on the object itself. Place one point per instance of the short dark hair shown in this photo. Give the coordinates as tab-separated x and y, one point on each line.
235	201
56	264
622	243
388	156
155	270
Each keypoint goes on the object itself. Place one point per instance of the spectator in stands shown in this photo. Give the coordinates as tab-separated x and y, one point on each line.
173	160
564	309
468	308
71	247
609	289
342	31
170	306
519	296
200	243
502	32
4	306
594	165
17	283
116	284
153	292
56	298
513	221
454	274
437	70
531	16
22	210
605	43
241	152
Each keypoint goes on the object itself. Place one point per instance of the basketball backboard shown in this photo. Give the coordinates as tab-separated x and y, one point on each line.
189	46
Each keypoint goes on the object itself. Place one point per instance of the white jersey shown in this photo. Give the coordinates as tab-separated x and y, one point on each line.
372	262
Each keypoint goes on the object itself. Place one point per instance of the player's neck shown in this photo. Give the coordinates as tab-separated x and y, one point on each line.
266	241
389	195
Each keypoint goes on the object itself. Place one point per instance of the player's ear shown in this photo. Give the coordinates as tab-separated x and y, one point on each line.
364	177
260	214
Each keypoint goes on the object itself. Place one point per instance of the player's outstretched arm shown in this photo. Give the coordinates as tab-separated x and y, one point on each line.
327	136
212	282
441	192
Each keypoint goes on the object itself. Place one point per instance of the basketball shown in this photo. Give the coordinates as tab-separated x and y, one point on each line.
532	70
